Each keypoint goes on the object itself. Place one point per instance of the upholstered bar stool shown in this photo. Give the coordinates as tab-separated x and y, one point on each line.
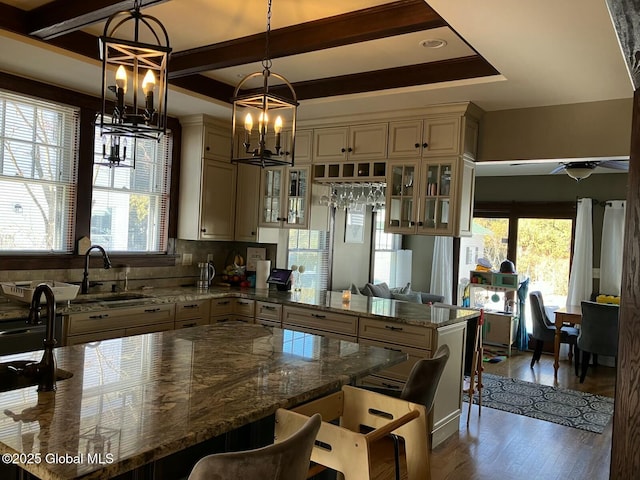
287	459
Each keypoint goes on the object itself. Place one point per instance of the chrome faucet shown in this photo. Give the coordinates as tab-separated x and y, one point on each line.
85	277
43	371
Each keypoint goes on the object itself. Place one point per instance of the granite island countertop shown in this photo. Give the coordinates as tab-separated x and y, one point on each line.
149	396
432	316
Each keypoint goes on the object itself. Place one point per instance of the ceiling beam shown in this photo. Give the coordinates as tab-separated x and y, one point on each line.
407	76
387	20
65	16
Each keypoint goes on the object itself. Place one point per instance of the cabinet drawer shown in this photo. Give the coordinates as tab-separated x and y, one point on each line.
269	311
399	372
221	306
320	320
393	332
380	382
191	322
222	318
112	319
194	309
243	307
96	337
163	327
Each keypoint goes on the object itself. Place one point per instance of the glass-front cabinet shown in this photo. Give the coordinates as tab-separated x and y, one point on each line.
435	197
430	196
401	194
284	202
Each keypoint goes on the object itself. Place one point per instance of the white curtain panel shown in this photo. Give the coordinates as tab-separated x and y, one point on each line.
611	247
581	276
441	271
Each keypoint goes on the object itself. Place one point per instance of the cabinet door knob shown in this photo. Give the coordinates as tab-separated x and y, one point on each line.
207	148
411	223
417	145
350	149
253	234
425	145
420	224
203	230
343	150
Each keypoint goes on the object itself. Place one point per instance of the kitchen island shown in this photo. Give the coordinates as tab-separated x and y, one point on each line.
134	400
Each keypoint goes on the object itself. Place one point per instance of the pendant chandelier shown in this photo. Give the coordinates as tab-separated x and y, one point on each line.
264	119
134	84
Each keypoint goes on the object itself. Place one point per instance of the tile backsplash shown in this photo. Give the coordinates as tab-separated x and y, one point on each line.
222	254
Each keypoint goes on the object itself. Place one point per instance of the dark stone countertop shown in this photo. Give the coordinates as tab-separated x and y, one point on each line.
156	394
432	316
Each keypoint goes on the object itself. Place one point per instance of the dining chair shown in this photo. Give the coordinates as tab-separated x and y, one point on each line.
598	333
287	459
544	330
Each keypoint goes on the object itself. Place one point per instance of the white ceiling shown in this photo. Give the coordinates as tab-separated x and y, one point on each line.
548	52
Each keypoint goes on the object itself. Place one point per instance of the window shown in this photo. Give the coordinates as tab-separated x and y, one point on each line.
129	208
38	174
310	248
385	246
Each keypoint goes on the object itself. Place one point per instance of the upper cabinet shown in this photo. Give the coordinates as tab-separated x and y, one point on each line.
431	177
357	142
285	194
206	205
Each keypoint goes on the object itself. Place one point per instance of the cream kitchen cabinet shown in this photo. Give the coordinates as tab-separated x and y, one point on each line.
285	194
316	321
118	322
206	205
268	313
448	130
221	310
192	313
356	142
244	309
430	197
247	203
420	342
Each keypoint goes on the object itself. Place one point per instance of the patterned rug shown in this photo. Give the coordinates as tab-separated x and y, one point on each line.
558	405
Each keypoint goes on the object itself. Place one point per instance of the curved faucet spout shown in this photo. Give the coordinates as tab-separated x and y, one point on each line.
85	275
45	370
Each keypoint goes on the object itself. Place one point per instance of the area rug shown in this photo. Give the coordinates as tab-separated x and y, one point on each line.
571	408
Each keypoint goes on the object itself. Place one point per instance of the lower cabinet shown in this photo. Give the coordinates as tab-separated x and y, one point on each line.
317	321
269	314
118	322
420	342
500	329
243	309
192	314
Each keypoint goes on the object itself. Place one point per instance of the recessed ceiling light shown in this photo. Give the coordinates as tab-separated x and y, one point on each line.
433	43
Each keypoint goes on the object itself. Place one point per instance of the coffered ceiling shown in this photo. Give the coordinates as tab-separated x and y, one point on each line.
343	57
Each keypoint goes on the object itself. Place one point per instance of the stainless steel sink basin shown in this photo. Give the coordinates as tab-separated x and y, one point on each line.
117	297
10	380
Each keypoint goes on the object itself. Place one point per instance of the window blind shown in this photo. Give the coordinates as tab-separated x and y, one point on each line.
309	248
130	207
38	174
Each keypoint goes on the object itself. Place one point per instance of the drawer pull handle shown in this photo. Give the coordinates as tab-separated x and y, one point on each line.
268	308
392	328
103	315
317	315
185	325
152	310
244	303
193	305
223	303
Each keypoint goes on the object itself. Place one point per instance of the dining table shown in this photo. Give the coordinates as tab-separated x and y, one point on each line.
568	315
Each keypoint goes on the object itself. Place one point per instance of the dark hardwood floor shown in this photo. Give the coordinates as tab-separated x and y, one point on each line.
500	445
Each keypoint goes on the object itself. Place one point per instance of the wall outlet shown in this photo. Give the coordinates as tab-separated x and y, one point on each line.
595	272
186	259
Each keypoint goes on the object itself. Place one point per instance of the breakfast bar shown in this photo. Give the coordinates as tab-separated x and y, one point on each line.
133	401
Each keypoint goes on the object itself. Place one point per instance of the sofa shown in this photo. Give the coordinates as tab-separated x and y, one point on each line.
404	294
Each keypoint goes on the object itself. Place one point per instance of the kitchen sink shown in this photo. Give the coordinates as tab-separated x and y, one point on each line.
10	380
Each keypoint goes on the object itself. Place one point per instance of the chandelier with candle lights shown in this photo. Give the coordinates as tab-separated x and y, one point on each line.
134	84
264	117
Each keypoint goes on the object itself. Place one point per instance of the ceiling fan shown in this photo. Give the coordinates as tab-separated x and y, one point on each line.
581	170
